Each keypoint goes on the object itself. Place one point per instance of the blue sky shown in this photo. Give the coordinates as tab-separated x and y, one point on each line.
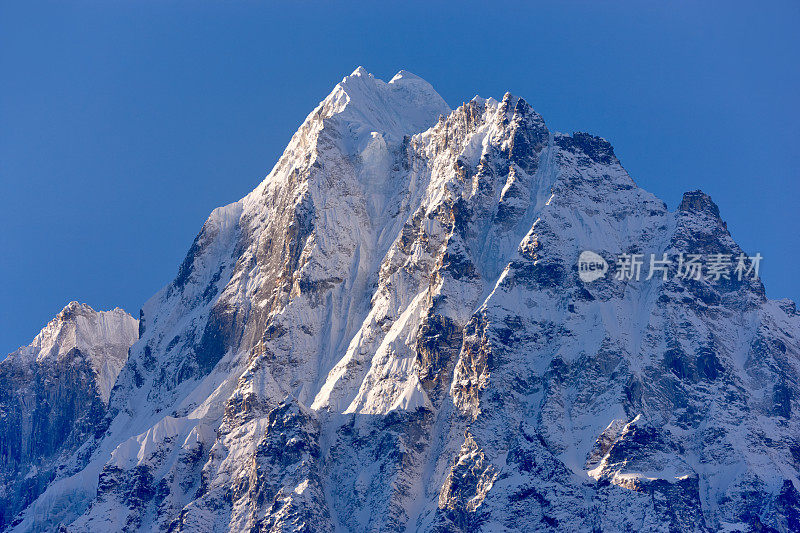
123	124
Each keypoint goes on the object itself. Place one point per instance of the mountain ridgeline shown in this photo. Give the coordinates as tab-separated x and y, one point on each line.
390	333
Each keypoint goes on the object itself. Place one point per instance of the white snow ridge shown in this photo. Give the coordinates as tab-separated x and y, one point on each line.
390	334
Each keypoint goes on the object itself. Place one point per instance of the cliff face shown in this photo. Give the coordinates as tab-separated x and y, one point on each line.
390	333
53	399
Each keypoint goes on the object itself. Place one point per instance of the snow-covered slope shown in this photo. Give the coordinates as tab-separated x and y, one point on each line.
53	398
389	333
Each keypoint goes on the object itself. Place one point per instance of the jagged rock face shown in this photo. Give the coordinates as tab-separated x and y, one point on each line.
53	399
390	333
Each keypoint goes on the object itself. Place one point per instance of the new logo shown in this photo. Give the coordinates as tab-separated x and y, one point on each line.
591	266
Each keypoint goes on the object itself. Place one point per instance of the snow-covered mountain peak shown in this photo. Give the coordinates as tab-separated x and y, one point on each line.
405	76
698	201
478	99
54	396
362	117
359	71
71	309
391	333
103	337
405	105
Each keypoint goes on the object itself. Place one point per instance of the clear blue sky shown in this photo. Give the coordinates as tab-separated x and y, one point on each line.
124	123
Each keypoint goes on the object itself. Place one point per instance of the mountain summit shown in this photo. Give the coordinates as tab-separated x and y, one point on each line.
390	333
54	395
